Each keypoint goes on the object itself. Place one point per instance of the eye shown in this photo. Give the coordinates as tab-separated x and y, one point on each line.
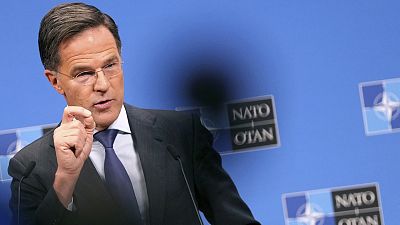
85	74
110	66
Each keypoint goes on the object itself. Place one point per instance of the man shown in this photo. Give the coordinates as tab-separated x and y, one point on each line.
108	162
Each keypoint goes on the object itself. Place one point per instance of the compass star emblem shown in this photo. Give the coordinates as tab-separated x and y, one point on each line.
387	106
310	214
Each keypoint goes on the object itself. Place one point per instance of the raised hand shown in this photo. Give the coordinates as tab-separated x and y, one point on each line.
73	141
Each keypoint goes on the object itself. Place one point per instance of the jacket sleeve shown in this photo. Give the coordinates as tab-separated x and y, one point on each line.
216	193
38	204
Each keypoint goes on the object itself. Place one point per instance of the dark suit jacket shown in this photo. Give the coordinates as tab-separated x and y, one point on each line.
169	200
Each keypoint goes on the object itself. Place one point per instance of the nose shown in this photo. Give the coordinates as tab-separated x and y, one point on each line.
102	83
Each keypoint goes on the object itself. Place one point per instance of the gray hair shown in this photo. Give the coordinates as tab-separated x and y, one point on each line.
64	22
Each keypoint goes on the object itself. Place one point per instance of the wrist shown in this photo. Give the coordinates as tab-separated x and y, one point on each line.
64	185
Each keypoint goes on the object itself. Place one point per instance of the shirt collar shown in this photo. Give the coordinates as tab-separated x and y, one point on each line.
121	123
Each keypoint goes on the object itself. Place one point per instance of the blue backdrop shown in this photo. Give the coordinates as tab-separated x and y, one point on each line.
310	55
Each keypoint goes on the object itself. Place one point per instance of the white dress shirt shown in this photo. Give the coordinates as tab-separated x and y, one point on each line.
124	149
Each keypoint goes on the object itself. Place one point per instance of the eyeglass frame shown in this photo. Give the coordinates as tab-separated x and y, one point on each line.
96	71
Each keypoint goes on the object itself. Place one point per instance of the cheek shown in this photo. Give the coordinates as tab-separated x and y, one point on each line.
78	96
119	88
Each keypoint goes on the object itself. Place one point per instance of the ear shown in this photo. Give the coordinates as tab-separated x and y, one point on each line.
51	77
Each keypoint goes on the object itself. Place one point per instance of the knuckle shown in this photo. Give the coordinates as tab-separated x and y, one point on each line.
76	124
67	110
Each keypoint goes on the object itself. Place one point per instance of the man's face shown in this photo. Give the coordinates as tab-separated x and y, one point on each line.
88	51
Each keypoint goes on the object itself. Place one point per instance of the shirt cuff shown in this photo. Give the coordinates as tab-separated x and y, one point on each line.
70	206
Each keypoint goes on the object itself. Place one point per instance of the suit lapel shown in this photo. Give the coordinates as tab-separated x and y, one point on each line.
149	143
90	187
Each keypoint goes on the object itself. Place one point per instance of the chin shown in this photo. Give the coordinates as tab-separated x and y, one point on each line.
104	121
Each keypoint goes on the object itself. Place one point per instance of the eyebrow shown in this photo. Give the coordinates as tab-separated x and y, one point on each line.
111	59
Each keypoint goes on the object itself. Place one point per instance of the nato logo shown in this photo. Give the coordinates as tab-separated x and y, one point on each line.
380	102
242	124
354	205
11	141
253	123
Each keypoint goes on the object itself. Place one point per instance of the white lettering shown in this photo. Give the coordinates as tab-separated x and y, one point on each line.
247	113
355	199
368	197
251	112
372	221
253	136
268	134
368	220
238	114
263	113
240	138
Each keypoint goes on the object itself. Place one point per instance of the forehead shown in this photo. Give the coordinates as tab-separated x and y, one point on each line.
90	46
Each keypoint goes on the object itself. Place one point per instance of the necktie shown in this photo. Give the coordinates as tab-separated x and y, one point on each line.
116	178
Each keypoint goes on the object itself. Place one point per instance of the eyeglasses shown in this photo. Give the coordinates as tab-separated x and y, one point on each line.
89	77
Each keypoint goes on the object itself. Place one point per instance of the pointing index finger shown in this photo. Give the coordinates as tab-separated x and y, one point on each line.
71	112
